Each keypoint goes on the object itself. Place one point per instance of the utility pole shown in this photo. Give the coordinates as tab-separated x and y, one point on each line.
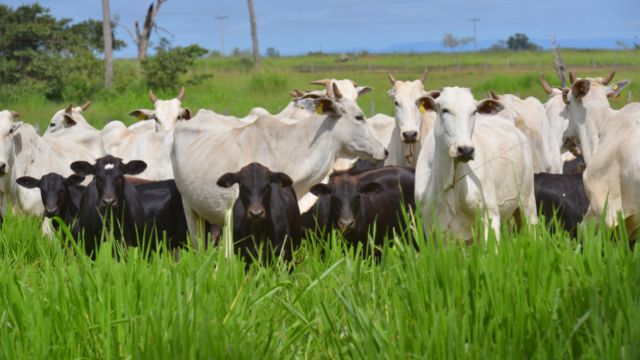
222	18
475	37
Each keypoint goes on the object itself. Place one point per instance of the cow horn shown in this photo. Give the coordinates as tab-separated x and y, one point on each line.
152	97
493	95
336	92
323	82
69	108
181	94
545	85
355	84
572	76
608	79
391	78
14	114
85	106
424	75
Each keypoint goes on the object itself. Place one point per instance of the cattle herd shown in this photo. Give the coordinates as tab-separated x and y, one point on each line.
262	181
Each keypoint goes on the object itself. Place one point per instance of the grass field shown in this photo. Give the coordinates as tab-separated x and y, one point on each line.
540	295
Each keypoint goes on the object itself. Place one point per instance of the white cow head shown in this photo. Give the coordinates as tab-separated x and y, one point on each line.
351	130
408	118
586	104
347	87
457	110
8	126
166	112
68	117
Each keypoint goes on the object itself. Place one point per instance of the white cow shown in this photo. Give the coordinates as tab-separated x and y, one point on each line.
531	118
25	153
304	150
70	124
148	140
607	139
412	124
473	160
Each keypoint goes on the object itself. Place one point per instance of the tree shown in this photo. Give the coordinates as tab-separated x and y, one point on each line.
143	35
272	52
519	42
452	42
108	44
254	35
163	70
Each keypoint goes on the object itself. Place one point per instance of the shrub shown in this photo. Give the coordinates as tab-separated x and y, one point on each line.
163	70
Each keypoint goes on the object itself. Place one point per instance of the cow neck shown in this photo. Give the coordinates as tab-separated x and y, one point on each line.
311	152
444	167
594	128
396	148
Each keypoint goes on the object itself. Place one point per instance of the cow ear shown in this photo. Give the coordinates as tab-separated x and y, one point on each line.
134	167
228	180
281	179
28	182
489	107
434	94
425	103
143	114
373	187
74	179
616	88
15	126
320	190
364	90
580	88
68	120
83	168
325	106
185	114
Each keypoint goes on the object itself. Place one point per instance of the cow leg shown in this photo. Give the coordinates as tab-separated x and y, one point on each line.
192	224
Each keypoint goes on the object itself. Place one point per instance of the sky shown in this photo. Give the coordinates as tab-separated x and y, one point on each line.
296	27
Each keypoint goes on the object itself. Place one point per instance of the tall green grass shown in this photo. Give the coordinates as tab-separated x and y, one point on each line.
539	295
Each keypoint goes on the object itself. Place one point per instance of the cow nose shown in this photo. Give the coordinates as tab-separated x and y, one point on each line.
465	153
386	153
3	168
256	213
410	136
109	201
50	211
345	224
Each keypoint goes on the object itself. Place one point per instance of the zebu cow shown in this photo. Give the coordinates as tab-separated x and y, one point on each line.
473	160
25	153
412	124
70	124
304	150
531	118
607	139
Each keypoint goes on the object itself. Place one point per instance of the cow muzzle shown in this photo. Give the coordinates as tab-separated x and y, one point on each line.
109	201
346	224
256	213
3	168
410	137
465	153
51	211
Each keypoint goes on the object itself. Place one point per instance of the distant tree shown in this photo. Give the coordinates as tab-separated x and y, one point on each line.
636	43
254	35
622	44
452	42
520	41
272	52
143	34
91	31
163	70
501	45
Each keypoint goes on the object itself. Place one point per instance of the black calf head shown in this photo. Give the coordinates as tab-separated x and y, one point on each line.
345	191
109	172
255	187
54	190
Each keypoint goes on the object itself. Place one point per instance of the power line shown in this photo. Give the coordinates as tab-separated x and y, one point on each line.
222	18
475	36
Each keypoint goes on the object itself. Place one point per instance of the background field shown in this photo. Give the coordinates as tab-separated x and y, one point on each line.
541	294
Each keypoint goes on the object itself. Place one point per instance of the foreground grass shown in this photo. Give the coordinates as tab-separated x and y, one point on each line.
540	295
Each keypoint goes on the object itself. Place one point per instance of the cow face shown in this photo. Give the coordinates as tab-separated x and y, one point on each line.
109	172
408	117
54	190
166	112
8	127
351	130
345	192
255	188
347	87
66	118
456	119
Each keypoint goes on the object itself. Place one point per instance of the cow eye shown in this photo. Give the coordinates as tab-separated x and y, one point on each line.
360	117
51	125
396	102
446	111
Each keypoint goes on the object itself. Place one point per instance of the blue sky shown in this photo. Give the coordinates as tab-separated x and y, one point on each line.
335	25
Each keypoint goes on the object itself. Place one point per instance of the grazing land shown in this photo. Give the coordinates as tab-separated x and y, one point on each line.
535	294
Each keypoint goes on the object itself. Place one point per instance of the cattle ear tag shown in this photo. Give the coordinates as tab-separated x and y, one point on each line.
615	87
319	109
422	109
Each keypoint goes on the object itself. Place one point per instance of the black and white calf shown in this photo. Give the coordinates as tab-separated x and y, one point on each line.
562	195
266	217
